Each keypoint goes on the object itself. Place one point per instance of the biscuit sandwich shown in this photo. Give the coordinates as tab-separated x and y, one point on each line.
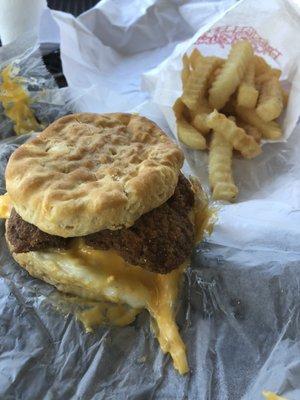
97	206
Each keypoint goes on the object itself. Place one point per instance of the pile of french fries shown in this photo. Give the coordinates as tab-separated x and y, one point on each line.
228	105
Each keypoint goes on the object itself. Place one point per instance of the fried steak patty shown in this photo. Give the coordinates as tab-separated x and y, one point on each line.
25	237
159	241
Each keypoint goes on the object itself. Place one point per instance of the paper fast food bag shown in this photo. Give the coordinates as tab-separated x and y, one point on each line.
272	26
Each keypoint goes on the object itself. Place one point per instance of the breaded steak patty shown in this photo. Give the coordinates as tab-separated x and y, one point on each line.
159	241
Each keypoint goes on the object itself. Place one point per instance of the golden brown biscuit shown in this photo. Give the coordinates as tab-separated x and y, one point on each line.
88	172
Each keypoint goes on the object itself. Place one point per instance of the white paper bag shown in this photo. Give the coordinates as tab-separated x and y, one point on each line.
271	26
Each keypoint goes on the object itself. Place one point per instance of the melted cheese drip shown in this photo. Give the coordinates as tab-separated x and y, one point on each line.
99	275
272	396
15	101
5	206
204	216
204	222
133	285
107	314
93	313
106	275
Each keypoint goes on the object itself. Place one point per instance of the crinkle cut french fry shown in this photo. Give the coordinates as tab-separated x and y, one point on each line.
261	66
249	76
202	108
178	108
285	97
247	92
215	74
198	117
270	103
263	71
195	58
276	72
270	130
185	72
199	122
220	168
231	74
196	84
260	79
190	136
250	130
247	96
233	134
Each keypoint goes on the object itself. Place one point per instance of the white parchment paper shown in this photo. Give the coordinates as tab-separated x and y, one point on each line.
239	312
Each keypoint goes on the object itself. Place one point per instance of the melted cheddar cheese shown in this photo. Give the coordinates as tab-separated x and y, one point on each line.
15	101
104	313
119	281
106	275
5	206
97	275
272	396
93	313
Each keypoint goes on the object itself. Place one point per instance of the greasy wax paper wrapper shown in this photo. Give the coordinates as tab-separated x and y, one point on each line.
238	314
48	103
239	308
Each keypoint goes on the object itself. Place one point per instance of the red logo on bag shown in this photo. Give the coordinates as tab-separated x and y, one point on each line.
226	35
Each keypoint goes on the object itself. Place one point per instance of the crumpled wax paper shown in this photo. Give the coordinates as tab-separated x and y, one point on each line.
47	101
239	308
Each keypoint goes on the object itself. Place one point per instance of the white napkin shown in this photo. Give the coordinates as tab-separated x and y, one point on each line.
18	17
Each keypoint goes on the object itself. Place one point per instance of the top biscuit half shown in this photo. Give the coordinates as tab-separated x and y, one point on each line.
89	172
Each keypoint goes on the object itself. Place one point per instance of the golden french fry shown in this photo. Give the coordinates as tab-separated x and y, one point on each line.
247	96
178	108
214	76
196	84
285	97
215	73
190	136
261	66
272	396
233	134
250	130
247	92
195	58
202	108
5	206
261	79
276	72
231	74
220	168
199	122
185	72
198	117
270	103
270	130
249	76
